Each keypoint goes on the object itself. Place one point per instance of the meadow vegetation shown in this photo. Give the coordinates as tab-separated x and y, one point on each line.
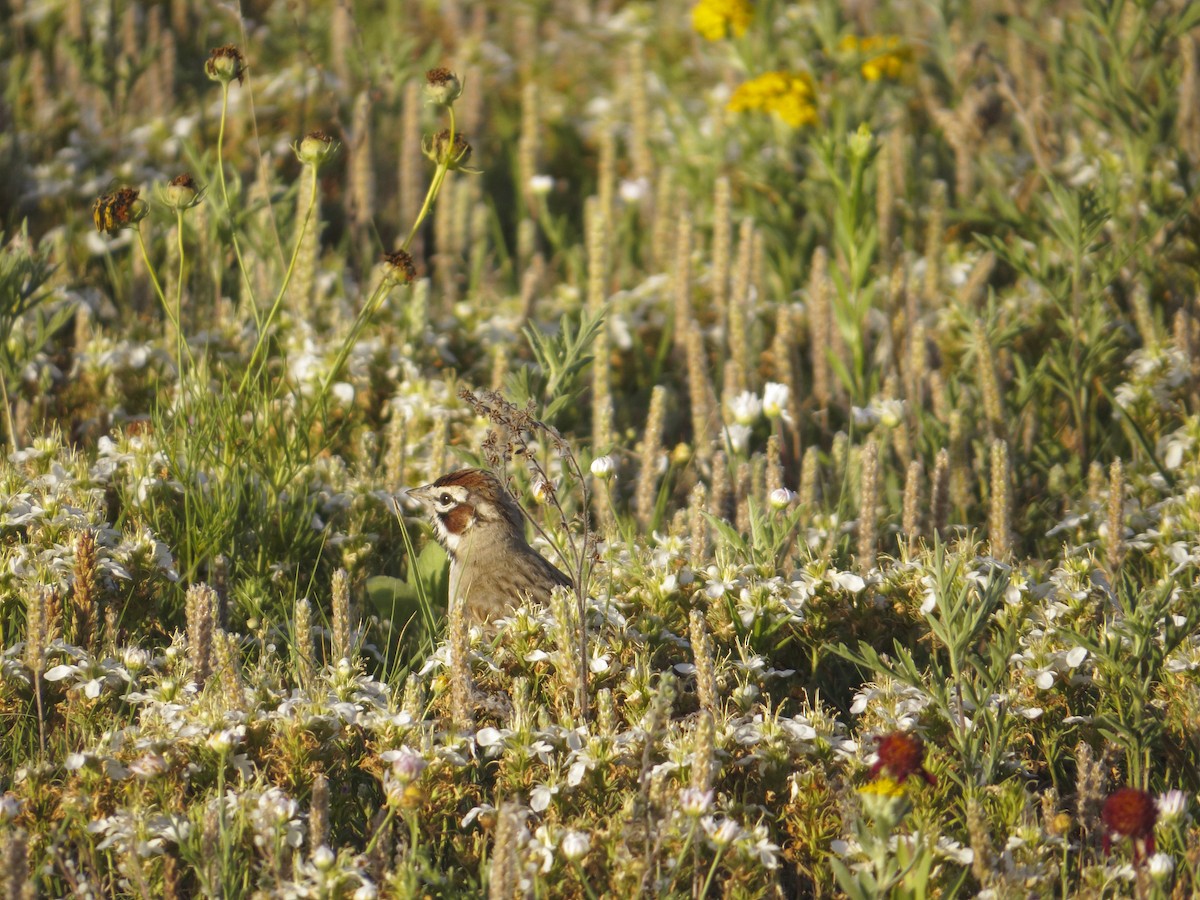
846	355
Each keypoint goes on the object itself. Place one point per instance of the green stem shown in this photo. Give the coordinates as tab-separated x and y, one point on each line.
8	421
387	820
434	186
158	289
583	880
179	290
712	871
265	325
237	247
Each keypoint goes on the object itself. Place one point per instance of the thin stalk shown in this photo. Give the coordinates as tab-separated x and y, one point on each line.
265	324
712	871
162	297
237	247
179	289
8	420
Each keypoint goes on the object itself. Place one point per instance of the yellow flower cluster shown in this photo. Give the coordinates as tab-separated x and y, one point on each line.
884	56
789	95
715	19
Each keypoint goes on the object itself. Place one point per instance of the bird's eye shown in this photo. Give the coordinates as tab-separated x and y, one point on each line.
445	499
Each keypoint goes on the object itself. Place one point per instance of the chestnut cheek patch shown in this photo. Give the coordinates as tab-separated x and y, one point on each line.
458	519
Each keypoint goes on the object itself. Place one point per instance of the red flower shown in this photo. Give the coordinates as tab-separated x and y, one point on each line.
901	755
1130	813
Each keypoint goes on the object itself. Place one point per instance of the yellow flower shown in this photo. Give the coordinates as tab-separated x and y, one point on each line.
788	95
883	56
714	19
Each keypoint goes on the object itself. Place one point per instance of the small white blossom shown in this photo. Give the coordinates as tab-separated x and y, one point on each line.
745	408
775	400
575	845
603	467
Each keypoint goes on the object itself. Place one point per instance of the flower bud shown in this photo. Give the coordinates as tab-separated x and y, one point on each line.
781	498
181	192
442	86
603	467
316	148
224	64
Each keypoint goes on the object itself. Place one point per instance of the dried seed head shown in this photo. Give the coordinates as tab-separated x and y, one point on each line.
224	64
400	266
453	153
442	86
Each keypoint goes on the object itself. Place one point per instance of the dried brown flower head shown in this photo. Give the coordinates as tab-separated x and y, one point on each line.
901	755
400	266
1130	813
442	86
440	148
118	210
224	64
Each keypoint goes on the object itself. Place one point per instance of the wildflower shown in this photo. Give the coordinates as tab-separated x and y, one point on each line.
884	799
883	56
442	86
225	740
901	755
1172	805
10	807
323	858
603	467
722	833
1130	813
781	498
122	209
1160	866
694	802
181	192
453	153
541	185
745	408
775	400
316	148
224	64
575	845
713	20
400	266
542	492
788	95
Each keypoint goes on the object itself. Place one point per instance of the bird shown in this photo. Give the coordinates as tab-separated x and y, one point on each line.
481	528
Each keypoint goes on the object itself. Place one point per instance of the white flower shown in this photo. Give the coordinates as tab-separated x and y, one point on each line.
781	498
407	763
739	437
1172	805
540	796
541	185
722	833
10	807
1160	866
745	408
225	740
323	858
603	467
695	802
632	190
775	400
575	845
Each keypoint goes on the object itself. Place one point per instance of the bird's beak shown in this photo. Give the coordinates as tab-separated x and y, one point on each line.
422	494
